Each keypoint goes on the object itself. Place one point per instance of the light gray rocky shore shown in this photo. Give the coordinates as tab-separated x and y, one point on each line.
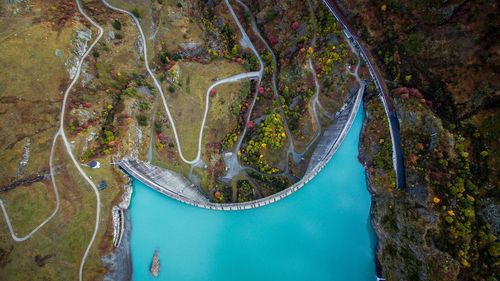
119	261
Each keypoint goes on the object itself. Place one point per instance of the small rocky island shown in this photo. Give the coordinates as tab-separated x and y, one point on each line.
155	264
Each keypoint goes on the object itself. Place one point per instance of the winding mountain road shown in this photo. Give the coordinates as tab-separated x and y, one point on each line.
61	133
56	193
255	30
232	161
381	87
296	156
250	75
67	144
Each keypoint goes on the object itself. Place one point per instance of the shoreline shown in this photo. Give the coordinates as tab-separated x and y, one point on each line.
129	169
122	254
119	259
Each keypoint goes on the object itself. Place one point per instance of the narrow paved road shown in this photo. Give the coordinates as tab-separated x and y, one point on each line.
399	167
255	29
61	133
232	161
68	146
56	193
296	156
250	75
397	151
315	98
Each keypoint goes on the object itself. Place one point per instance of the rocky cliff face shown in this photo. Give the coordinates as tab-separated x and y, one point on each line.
435	229
444	226
450	51
402	219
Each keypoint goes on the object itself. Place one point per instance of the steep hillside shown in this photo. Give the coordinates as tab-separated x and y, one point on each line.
441	62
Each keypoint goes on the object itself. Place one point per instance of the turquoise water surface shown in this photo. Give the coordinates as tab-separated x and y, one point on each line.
321	232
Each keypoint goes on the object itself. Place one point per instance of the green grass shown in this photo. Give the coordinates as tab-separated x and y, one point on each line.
188	103
29	205
31	76
66	236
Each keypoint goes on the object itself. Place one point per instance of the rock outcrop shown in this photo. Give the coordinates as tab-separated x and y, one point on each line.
155	264
431	230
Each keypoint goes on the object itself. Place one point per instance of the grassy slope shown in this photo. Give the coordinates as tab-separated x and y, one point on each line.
65	237
40	76
31	76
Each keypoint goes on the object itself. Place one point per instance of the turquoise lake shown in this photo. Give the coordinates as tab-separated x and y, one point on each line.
321	232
